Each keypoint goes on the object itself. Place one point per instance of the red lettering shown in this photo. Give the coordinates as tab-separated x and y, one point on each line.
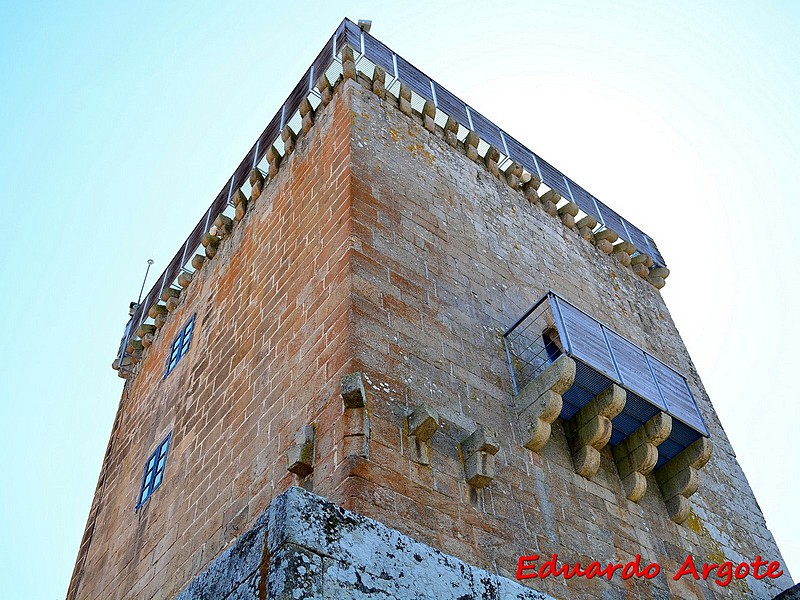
651	571
771	569
758	563
550	567
738	574
687	568
593	570
631	568
576	571
524	564
725	572
722	574
707	568
612	569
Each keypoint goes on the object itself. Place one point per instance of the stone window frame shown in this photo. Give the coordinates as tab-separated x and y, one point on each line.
154	469
180	345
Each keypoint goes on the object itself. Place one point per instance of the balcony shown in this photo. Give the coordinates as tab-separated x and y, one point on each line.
608	391
553	327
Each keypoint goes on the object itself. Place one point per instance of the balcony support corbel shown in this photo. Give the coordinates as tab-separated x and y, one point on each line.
590	429
637	456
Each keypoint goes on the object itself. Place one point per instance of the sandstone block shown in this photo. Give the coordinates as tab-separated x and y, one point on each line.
353	394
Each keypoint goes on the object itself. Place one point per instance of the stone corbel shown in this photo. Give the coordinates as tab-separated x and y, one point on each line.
348	63
274	160
404	101
679	478
549	200
210	242
300	456
586	227
289	138
240	204
451	132
637	455
170	296
325	89
478	451
355	421
257	183
429	116
590	429
604	240
568	212
541	401
658	276
471	146
641	264
379	82
423	422
198	260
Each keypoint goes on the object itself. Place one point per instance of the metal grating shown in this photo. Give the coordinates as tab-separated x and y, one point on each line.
602	357
424	88
471	119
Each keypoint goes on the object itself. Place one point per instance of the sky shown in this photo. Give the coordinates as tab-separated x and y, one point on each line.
119	123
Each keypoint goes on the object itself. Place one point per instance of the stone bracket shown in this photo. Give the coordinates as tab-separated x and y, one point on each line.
300	456
423	422
353	394
356	421
637	456
679	478
590	429
541	401
478	451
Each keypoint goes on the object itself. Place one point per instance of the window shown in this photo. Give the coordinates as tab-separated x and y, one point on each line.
180	345
153	471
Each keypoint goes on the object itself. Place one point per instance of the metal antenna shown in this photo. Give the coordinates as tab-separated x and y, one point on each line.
130	322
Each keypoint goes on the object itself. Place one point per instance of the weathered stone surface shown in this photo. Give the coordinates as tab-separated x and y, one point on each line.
423	422
300	456
590	429
353	394
637	455
157	309
184	279
403	260
679	478
305	547
198	260
479	451
607	234
223	223
540	401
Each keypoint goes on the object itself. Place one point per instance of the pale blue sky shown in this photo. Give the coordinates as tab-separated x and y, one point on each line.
119	124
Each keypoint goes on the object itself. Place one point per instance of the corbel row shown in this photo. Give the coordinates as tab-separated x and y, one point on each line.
221	228
590	429
513	174
477	450
355	430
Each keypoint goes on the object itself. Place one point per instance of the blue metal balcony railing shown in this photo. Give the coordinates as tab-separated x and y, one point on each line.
553	327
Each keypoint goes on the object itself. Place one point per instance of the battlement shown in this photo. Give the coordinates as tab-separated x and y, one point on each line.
352	53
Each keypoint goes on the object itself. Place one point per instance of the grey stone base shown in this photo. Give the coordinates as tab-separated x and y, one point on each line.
306	547
793	593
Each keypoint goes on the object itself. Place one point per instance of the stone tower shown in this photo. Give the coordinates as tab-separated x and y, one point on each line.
338	387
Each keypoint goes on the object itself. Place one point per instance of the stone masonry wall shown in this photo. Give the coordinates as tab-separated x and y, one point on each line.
268	349
447	257
380	249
